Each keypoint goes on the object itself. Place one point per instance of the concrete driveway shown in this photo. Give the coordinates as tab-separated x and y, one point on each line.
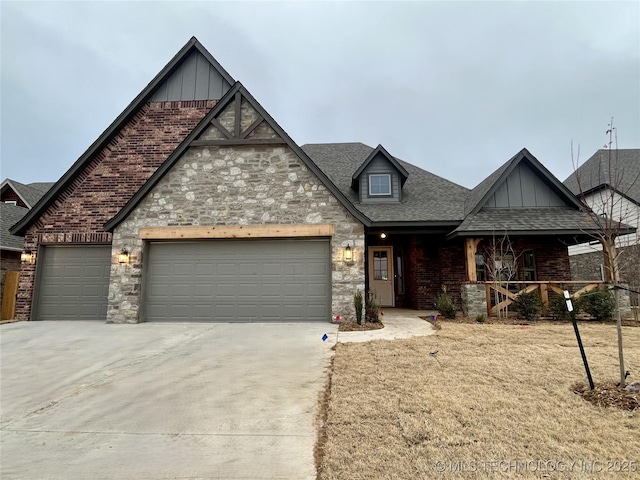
159	401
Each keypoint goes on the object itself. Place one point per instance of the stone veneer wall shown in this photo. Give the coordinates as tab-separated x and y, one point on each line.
241	185
108	182
474	299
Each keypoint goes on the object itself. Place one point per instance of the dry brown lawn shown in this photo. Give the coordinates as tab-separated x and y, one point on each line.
496	401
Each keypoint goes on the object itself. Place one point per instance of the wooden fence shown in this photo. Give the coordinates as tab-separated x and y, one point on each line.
500	295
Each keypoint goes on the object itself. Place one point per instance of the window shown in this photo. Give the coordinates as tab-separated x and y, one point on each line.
529	269
399	274
11	202
380	184
481	271
380	269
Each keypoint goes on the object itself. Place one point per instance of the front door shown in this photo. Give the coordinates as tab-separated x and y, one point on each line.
381	274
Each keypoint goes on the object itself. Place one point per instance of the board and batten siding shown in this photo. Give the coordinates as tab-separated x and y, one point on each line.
195	79
380	165
523	188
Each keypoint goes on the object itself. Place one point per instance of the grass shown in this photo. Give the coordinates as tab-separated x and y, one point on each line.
491	394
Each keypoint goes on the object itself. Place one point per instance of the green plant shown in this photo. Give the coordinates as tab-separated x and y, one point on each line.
558	308
480	318
599	304
358	303
372	308
528	305
445	305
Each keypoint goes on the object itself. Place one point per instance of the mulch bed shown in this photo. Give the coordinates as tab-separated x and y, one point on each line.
354	327
609	395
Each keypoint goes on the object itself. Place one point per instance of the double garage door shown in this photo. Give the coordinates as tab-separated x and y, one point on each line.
217	280
238	281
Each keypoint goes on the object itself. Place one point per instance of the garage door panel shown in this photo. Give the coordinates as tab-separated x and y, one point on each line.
73	283
259	280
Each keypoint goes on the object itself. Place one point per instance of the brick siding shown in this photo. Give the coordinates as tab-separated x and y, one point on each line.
105	185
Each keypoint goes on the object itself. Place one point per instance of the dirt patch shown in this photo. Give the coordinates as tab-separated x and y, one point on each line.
321	420
609	395
354	327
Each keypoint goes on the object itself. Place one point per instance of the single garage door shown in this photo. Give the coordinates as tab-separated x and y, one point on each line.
73	283
239	281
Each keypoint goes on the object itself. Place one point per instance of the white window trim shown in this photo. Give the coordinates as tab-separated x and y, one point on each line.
11	202
380	194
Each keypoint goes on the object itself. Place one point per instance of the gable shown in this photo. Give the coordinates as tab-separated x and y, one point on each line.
237	120
379	165
524	188
162	125
195	79
520	181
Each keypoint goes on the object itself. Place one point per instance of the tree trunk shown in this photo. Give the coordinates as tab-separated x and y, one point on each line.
619	328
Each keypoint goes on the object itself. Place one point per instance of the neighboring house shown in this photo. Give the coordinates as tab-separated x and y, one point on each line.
219	215
609	181
15	201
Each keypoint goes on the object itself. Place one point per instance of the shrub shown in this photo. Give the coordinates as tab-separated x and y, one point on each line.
599	304
528	305
445	305
358	303
480	318
372	308
558	308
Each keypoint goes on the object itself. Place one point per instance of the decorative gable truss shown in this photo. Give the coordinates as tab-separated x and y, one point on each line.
237	123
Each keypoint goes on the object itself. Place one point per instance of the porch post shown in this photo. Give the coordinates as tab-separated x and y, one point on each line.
471	247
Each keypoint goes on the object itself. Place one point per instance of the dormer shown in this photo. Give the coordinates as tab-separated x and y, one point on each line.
380	178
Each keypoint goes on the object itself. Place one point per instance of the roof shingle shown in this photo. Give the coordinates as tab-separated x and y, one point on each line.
425	197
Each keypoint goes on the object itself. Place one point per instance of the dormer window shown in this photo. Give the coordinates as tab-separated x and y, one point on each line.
380	185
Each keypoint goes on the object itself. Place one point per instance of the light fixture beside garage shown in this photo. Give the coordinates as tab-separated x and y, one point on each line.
347	255
123	257
383	235
27	256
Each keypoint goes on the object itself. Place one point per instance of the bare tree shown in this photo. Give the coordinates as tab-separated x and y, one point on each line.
607	209
501	266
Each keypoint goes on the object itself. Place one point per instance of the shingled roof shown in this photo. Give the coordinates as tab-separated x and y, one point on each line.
29	193
427	199
527	221
595	172
9	215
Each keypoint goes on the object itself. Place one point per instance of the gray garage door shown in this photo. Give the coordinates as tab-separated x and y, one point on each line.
239	281
73	283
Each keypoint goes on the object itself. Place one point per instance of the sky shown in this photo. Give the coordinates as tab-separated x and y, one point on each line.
456	88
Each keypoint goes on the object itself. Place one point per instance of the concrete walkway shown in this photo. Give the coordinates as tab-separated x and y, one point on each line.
398	323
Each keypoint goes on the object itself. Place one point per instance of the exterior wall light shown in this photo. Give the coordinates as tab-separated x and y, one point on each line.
383	235
27	256
347	255
123	257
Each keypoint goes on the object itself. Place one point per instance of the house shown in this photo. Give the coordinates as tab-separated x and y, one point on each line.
609	181
195	205
15	200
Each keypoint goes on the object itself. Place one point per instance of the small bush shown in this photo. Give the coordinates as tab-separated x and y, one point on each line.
599	304
372	308
358	303
558	309
480	318
528	305
445	305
